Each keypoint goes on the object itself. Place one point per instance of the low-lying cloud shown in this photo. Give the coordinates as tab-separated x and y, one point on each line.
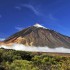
2	39
36	49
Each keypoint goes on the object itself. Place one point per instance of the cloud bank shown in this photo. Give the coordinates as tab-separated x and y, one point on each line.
36	49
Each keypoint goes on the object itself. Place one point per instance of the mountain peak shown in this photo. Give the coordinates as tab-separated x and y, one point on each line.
38	35
39	26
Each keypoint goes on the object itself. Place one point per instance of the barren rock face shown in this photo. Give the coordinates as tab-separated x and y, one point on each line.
38	36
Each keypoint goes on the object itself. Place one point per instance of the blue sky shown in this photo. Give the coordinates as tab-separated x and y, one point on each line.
18	14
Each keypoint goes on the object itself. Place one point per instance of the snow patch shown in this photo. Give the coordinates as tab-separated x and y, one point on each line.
39	26
36	49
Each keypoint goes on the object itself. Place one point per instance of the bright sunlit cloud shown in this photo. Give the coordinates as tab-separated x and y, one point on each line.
36	49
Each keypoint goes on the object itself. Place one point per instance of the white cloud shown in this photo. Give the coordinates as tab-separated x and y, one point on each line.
31	7
19	28
2	39
36	49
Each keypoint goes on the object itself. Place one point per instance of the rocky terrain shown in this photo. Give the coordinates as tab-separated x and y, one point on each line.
38	35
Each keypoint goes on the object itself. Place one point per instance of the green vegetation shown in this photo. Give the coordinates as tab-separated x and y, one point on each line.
19	60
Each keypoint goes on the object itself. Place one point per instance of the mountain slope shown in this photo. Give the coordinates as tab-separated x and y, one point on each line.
38	35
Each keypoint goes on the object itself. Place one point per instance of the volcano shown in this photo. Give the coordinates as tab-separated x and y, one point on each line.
38	35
